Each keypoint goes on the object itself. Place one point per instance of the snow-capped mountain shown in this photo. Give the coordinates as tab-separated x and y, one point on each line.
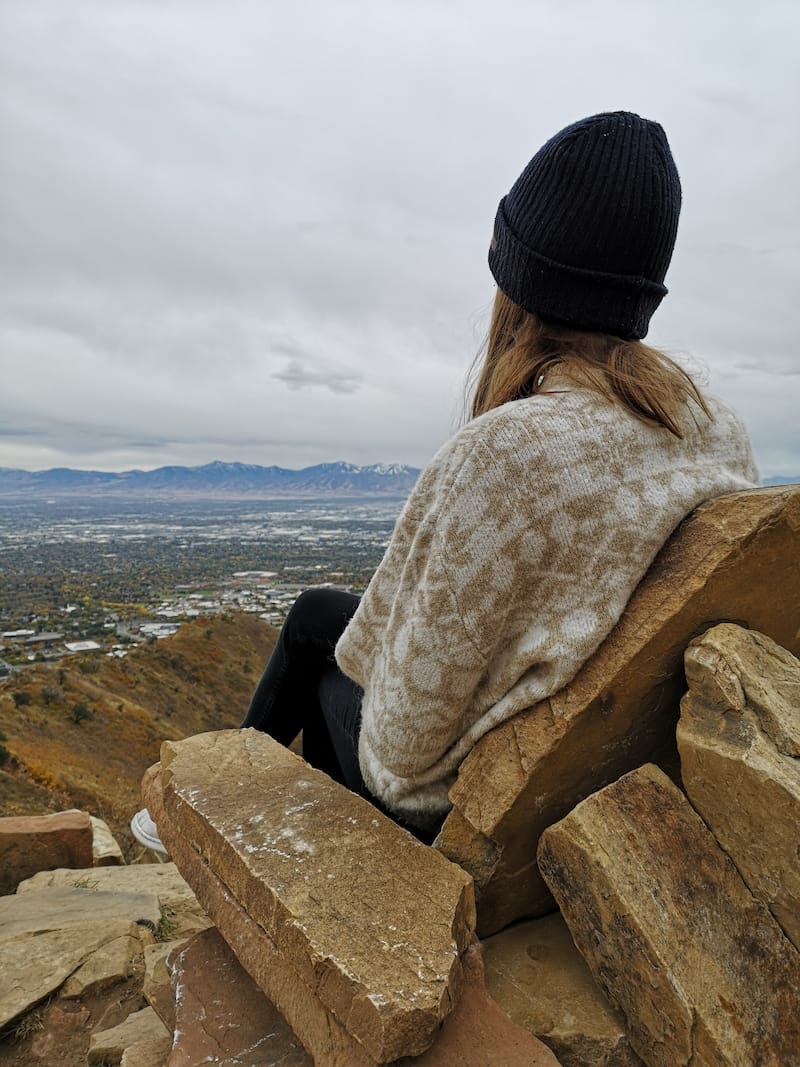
217	479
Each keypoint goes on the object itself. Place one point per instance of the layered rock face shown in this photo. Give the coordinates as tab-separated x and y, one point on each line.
734	558
739	741
700	970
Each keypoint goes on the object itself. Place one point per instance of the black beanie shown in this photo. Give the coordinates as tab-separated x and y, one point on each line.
586	234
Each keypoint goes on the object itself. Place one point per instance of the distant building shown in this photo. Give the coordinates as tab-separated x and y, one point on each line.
158	629
16	635
44	639
6	670
81	646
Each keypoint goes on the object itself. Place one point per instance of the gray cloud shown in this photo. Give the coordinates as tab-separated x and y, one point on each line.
298	376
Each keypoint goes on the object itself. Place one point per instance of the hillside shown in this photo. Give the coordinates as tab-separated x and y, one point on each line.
81	734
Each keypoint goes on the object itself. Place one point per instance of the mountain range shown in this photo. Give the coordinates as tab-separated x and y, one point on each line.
217	480
234	481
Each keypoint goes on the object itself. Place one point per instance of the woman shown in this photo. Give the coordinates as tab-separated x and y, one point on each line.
524	538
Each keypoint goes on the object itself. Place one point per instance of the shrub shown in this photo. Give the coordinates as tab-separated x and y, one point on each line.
88	666
81	712
5	755
52	694
22	698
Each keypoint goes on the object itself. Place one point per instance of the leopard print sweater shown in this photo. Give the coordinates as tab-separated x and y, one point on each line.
513	558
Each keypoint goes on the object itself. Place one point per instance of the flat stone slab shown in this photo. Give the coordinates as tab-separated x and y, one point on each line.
141	1027
325	1039
161	879
371	920
46	937
700	970
543	984
735	557
221	1014
148	1052
31	843
739	740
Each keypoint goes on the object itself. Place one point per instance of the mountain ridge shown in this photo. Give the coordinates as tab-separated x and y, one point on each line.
217	479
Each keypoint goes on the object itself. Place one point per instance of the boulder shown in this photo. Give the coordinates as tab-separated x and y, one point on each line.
700	969
739	741
372	923
46	937
221	1014
108	1046
543	984
734	558
31	843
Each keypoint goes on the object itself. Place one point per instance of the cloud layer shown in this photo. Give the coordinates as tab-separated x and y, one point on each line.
256	231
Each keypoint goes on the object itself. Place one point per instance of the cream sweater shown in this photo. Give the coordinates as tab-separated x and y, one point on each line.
513	558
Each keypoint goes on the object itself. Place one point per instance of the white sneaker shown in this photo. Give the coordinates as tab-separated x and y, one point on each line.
146	832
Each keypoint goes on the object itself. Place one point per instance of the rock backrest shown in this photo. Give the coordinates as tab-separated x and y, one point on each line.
734	559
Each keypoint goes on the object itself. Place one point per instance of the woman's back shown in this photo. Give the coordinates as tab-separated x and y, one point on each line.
513	559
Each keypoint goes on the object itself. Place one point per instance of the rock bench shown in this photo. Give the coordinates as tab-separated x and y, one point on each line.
734	559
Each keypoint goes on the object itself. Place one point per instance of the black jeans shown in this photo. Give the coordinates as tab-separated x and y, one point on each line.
303	689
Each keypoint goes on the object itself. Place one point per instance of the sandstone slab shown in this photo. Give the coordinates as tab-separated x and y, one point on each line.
160	879
733	559
221	1014
479	1034
31	843
108	964
326	1040
105	847
739	740
157	982
149	1052
701	971
108	1046
541	981
46	937
373	922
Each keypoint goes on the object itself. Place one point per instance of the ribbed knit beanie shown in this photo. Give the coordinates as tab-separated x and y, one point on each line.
586	234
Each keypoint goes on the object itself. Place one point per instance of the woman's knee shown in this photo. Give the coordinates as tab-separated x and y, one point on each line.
321	612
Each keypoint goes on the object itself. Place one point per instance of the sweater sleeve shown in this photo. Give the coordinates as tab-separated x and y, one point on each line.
443	604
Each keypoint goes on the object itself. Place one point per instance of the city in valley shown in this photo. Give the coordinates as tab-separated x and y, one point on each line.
94	576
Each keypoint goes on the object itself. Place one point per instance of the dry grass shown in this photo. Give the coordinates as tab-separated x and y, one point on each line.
200	679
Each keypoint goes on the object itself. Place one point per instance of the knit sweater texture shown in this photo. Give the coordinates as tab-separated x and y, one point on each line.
514	557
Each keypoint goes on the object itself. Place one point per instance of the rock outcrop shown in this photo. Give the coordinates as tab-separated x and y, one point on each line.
734	558
700	970
739	741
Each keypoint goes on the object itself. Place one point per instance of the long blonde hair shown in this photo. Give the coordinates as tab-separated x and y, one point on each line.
520	348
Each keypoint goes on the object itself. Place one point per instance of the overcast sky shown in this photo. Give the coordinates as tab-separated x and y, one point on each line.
257	231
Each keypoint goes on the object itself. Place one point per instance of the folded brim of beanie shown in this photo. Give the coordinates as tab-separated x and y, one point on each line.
617	304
